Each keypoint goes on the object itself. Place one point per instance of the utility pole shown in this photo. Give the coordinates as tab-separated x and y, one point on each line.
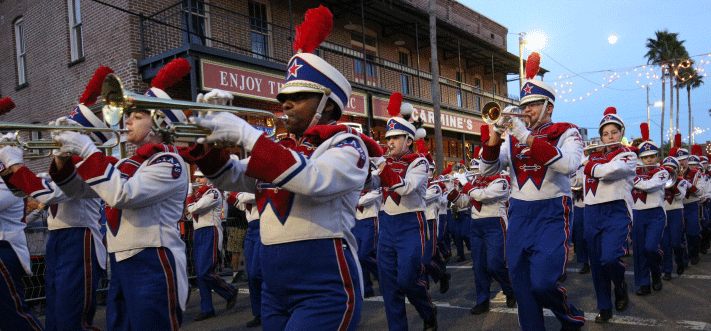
647	105
436	99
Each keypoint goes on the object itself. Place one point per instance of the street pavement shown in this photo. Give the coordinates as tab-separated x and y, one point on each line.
683	304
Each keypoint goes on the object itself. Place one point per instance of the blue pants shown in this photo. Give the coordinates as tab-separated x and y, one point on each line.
366	232
143	293
488	238
693	228
253	264
443	244
434	266
73	273
647	230
537	254
205	250
310	285
401	248
672	239
460	231
581	246
606	229
16	315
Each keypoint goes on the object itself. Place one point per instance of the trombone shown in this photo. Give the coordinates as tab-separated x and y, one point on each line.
51	144
117	101
491	112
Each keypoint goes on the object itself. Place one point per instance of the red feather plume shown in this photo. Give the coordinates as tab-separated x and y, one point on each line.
394	104
461	161
673	150
533	64
610	110
477	151
317	25
172	73
696	150
6	105
93	89
677	140
421	148
644	127
447	170
484	129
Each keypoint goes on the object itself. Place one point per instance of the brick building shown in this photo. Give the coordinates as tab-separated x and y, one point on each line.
50	49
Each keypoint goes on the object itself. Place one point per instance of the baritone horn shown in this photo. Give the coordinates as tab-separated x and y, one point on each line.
48	143
117	101
673	176
491	112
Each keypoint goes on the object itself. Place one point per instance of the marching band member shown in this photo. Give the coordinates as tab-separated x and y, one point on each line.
673	236
692	224
432	259
461	219
540	162
487	197
401	241
247	202
75	254
445	216
14	255
306	191
145	198
609	176
206	206
577	182
649	215
366	232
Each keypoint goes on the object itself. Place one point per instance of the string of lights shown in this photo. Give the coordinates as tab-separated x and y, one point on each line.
646	75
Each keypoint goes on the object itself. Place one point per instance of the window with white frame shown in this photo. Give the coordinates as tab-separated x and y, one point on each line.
20	51
76	39
259	26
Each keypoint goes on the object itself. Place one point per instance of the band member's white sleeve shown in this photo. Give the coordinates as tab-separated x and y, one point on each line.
496	190
655	183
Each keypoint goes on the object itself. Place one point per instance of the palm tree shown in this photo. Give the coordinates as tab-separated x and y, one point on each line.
682	55
661	51
693	81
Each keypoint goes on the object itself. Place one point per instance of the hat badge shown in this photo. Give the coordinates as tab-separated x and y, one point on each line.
391	125
528	88
294	67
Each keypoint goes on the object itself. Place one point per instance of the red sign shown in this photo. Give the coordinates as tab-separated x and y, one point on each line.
259	85
450	121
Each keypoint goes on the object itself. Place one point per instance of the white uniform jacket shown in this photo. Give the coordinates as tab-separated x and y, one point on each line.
696	190
648	189
487	197
409	194
541	171
674	197
150	203
64	211
369	204
610	177
12	225
577	182
207	210
433	201
247	202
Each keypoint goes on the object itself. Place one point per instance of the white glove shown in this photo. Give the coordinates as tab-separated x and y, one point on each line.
8	137
10	156
519	130
462	178
218	97
76	143
228	127
61	121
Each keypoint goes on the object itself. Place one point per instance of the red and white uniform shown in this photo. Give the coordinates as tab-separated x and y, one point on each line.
207	208
697	188
541	171
409	194
12	225
648	191
674	197
247	203
486	196
433	201
610	177
369	204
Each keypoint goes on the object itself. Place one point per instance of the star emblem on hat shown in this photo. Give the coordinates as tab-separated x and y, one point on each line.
391	125
528	88
74	112
293	68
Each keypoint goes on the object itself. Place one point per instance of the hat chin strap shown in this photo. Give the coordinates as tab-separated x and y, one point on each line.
540	116
319	110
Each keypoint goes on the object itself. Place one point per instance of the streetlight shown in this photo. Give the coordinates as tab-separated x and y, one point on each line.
534	41
656	104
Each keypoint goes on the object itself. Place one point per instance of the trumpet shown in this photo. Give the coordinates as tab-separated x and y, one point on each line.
51	144
117	101
491	112
448	178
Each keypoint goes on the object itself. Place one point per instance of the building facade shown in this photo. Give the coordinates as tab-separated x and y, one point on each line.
50	50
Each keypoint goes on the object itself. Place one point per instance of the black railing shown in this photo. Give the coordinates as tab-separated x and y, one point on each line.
197	22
